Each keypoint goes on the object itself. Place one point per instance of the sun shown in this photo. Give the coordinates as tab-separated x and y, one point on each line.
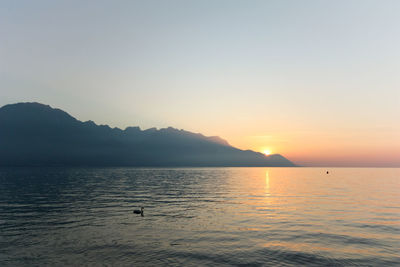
267	152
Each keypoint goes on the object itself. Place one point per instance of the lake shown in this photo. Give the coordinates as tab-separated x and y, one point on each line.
200	216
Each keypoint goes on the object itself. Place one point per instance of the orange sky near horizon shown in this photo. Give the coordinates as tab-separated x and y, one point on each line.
324	147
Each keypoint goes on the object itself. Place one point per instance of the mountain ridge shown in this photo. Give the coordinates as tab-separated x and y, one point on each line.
32	133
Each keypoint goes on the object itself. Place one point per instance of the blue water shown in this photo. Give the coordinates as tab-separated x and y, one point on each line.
200	217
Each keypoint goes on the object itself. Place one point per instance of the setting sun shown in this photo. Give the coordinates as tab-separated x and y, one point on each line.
267	152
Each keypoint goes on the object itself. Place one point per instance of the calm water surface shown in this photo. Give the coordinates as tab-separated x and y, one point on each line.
200	217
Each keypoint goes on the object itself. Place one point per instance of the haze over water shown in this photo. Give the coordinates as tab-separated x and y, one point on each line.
200	216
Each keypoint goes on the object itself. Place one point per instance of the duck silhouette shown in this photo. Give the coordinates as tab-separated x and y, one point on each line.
139	211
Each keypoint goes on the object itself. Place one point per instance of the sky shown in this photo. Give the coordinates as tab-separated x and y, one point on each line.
315	81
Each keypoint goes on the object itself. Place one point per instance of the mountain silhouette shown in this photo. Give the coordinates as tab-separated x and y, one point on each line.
33	134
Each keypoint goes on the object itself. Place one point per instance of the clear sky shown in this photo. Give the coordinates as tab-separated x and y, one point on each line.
316	81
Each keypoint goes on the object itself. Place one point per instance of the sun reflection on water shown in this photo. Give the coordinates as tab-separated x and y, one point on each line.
267	193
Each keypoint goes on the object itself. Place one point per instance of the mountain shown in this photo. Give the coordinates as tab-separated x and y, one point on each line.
39	135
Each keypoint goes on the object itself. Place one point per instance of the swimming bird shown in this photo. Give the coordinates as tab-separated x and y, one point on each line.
139	211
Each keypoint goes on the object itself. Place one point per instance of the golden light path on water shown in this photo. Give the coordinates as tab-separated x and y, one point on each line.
309	200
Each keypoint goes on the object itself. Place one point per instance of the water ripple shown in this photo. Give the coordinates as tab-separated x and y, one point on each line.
199	217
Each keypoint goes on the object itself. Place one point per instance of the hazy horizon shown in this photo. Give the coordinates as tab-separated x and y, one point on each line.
316	82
